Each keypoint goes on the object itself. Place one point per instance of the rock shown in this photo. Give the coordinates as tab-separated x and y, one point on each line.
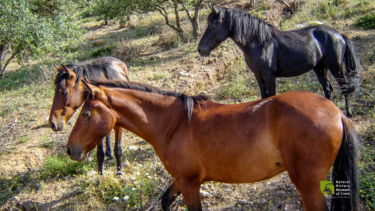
204	193
133	148
99	42
124	25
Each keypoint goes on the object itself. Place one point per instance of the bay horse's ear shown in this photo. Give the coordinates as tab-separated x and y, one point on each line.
91	89
67	71
57	68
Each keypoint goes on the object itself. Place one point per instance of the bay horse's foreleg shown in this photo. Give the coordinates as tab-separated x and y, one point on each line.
118	148
108	152
322	75
169	195
262	86
100	157
190	192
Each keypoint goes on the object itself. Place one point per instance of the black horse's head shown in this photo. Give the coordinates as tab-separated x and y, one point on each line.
217	31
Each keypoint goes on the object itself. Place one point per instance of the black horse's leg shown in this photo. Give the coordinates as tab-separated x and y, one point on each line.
118	149
322	74
262	86
341	80
108	147
270	84
100	157
169	195
347	106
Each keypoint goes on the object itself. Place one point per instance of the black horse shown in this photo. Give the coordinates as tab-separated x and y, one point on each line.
271	53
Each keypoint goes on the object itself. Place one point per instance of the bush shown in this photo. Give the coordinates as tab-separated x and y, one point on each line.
62	166
103	51
366	22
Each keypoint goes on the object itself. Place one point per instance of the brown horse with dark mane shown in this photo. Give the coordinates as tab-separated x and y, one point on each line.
69	96
298	132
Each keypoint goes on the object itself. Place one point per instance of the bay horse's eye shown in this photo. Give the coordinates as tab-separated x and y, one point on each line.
86	114
65	92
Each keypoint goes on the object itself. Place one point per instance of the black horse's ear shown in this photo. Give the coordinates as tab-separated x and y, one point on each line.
214	9
91	92
66	70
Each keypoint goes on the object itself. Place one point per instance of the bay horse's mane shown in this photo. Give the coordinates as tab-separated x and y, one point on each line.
244	27
88	70
188	100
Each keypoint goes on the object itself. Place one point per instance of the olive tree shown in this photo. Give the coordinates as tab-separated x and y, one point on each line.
24	33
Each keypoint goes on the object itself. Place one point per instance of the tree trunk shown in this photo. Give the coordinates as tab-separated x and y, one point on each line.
194	20
106	20
252	3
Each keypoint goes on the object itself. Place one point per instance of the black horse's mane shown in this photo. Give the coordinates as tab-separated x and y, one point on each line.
88	70
244	27
188	100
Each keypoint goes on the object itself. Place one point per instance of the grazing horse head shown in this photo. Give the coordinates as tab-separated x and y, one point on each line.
68	97
217	31
94	123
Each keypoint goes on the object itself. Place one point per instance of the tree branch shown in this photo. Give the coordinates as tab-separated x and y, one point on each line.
186	9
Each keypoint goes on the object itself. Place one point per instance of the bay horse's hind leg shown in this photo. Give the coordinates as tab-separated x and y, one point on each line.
322	74
108	152
169	195
308	187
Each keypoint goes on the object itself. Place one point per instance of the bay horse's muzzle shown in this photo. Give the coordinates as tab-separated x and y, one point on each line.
56	126
75	154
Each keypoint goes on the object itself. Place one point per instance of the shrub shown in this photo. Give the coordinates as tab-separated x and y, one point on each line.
103	51
62	166
366	22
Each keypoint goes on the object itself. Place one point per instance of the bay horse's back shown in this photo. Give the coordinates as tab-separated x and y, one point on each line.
114	63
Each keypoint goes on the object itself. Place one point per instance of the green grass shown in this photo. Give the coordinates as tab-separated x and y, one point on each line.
367	21
61	165
103	51
47	143
23	139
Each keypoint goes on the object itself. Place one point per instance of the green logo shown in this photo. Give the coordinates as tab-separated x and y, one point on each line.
326	186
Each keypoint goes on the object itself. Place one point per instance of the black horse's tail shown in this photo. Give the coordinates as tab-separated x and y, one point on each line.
353	69
345	169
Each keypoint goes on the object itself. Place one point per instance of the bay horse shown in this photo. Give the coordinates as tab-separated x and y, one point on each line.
69	97
271	53
198	140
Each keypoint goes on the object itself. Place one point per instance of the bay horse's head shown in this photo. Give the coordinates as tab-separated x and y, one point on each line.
216	32
94	122
68	98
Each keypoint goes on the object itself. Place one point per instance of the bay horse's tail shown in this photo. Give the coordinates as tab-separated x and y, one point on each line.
345	168
353	69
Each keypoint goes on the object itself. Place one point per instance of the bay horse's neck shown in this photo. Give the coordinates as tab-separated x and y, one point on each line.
151	116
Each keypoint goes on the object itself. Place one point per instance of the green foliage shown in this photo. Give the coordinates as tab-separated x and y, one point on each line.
367	21
47	143
236	88
23	139
25	33
111	9
103	51
367	188
63	166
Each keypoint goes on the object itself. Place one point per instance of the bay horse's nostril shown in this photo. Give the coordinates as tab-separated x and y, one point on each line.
53	126
68	151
